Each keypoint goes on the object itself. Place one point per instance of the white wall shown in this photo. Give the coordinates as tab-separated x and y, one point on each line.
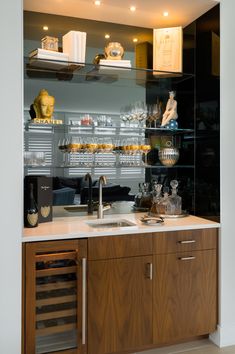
10	176
226	329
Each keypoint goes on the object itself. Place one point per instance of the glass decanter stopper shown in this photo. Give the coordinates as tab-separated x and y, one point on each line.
175	207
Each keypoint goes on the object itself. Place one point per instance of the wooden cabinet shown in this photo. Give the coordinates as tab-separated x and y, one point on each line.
143	291
55	297
119	295
184	285
184	241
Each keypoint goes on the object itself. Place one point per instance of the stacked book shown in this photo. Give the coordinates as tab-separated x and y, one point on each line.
117	63
74	44
48	59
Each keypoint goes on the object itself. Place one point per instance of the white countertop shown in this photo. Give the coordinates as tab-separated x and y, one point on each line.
76	227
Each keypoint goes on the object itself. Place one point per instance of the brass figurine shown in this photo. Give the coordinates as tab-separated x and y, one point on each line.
41	111
44	105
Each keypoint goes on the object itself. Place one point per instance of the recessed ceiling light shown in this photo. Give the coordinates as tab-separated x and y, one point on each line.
97	2
45	28
165	13
107	36
135	40
133	8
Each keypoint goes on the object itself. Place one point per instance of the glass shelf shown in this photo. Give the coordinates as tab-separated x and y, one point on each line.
86	72
74	128
107	166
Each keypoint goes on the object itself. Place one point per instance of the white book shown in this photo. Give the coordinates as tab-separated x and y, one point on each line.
50	57
83	58
118	63
48	62
74	43
78	41
121	62
49	53
68	45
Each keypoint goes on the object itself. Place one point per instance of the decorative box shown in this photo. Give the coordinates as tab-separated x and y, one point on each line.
50	43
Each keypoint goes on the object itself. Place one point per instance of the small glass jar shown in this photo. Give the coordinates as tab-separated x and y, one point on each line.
50	43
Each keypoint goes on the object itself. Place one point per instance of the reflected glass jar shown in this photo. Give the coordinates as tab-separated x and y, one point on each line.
114	51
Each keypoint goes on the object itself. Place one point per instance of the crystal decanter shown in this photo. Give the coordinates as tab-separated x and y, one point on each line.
175	206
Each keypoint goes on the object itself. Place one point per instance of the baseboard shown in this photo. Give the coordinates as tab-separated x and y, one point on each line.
224	336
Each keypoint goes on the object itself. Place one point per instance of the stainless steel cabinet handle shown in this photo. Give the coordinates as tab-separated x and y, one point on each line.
83	300
149	271
187	241
186	258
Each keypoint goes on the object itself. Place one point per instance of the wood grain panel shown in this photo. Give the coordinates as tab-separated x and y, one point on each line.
119	305
171	242
57	246
185	295
70	351
55	329
56	286
119	246
55	271
56	300
30	298
56	256
55	314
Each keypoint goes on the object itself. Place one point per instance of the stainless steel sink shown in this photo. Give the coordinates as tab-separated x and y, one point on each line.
111	223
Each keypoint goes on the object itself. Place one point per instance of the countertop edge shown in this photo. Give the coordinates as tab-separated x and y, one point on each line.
133	230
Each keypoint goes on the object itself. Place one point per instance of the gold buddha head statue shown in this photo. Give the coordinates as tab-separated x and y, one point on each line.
44	105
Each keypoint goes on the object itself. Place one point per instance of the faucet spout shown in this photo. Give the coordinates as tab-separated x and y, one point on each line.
102	181
90	202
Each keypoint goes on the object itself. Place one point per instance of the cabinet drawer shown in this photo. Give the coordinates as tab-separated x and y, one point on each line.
108	247
183	241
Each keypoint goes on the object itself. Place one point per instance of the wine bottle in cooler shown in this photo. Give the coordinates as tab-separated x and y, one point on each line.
30	209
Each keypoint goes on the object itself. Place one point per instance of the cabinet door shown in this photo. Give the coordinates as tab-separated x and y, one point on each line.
55	297
185	295
119	304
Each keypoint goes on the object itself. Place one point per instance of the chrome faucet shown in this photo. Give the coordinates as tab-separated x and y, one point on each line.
90	201
102	181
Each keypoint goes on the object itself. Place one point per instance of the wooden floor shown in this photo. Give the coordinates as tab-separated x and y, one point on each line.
198	347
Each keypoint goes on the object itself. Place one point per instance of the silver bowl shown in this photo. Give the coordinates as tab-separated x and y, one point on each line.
169	156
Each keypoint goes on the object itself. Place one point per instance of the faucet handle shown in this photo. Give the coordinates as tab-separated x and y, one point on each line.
103	179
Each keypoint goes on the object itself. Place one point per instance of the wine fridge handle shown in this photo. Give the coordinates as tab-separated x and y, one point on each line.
84	300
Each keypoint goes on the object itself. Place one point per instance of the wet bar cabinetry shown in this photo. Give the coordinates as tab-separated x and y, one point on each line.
138	291
185	284
120	293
